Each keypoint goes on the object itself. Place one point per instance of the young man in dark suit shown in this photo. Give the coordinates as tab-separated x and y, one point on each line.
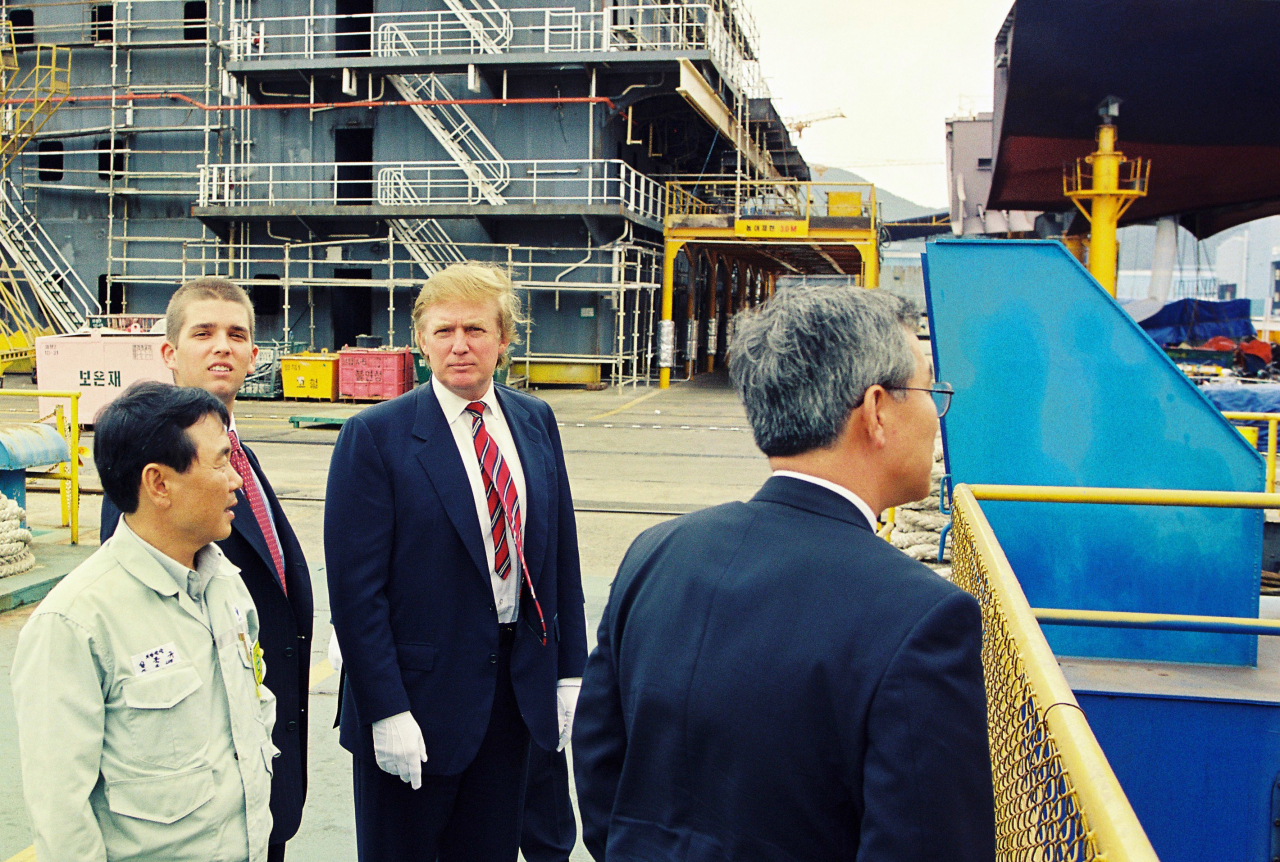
209	345
452	553
771	680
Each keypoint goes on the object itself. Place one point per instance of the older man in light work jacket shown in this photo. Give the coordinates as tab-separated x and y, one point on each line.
144	730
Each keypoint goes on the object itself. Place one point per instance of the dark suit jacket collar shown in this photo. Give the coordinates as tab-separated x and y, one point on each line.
800	494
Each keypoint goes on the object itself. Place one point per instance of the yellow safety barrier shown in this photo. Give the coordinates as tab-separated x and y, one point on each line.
68	473
1271	419
1056	795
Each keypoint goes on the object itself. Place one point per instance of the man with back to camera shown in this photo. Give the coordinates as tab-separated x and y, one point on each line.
455	589
144	728
208	344
771	680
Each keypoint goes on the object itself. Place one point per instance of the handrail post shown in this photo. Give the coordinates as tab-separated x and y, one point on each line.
63	490
1271	455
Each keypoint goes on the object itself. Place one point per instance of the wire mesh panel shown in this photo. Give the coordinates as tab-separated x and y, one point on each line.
1056	797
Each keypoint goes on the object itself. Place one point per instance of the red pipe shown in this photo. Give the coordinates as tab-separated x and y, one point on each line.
282	106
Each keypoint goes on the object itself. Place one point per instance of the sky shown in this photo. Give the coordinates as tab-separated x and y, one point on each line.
896	68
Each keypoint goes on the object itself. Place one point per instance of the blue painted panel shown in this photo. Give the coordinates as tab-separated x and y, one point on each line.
1056	385
34	445
1198	773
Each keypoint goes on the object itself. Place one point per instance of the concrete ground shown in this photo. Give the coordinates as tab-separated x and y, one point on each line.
635	458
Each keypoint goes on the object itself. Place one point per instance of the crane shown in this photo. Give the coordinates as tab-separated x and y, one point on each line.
799	124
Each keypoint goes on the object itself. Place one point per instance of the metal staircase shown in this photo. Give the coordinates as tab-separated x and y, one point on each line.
425	238
487	22
35	257
461	138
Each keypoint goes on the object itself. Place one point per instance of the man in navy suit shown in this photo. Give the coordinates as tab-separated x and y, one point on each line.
209	345
771	680
456	594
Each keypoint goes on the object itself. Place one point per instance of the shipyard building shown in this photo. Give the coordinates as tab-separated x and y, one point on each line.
330	155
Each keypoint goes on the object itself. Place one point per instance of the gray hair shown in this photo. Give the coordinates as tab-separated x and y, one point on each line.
805	359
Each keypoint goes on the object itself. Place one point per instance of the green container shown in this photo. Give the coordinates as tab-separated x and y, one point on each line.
423	369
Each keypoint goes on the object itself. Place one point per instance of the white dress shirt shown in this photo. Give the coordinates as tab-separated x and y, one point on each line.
506	592
839	489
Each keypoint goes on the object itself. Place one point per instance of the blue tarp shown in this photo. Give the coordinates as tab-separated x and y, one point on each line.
1257	398
1197	320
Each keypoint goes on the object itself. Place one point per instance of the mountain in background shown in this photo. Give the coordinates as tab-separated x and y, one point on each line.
892	207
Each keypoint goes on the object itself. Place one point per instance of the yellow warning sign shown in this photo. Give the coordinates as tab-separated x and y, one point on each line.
770	227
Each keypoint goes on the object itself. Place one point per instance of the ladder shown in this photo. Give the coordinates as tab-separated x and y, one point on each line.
425	238
484	167
53	282
487	22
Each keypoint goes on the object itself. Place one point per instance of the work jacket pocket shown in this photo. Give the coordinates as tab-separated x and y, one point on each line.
163	798
163	720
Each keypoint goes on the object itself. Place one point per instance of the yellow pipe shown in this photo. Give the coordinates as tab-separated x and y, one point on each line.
668	294
1158	622
1126	496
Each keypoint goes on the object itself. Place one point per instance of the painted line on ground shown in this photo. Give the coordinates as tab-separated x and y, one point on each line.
320	671
631	403
28	855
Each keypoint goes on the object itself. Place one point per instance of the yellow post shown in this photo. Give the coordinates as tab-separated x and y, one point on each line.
1104	209
75	468
1271	456
63	478
667	326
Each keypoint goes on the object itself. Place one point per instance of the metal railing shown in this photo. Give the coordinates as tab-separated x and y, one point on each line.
778	199
537	181
722	29
1056	795
1271	419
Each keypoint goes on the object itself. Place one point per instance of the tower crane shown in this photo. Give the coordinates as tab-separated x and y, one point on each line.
799	124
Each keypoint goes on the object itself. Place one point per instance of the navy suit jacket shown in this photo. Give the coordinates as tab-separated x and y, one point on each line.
773	682
285	636
409	585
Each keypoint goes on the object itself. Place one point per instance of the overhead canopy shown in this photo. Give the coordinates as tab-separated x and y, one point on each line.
1199	80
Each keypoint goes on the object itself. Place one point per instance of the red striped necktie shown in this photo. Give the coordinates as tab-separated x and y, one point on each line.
504	505
240	462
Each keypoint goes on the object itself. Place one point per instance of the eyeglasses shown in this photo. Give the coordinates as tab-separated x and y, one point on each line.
940	393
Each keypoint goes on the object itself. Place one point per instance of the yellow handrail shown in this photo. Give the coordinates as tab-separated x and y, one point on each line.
68	471
1127	496
1056	795
1271	419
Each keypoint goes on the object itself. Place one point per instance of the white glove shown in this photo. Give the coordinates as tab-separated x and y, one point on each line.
566	704
399	748
335	654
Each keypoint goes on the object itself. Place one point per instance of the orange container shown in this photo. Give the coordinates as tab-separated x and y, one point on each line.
370	374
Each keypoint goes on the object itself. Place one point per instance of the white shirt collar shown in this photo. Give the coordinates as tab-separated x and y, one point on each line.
453	404
839	489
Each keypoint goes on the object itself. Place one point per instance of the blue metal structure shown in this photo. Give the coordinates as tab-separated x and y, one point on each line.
1056	385
23	446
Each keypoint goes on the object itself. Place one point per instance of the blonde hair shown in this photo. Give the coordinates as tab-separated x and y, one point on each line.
473	282
205	287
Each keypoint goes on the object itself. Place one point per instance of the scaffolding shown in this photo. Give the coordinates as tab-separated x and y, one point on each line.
171	123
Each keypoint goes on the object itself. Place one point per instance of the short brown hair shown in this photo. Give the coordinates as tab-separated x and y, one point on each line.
473	282
205	287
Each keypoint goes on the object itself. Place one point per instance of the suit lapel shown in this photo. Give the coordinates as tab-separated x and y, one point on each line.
440	458
529	441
